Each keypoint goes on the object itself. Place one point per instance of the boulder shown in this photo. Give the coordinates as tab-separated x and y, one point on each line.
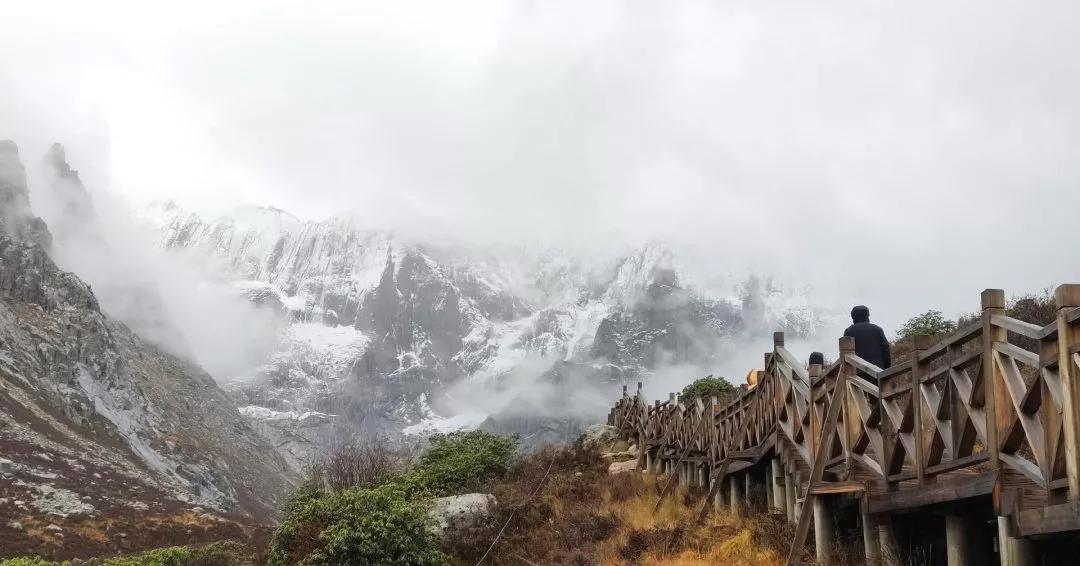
598	435
620	467
461	512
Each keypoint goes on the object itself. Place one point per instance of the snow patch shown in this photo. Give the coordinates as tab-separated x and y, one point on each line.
265	414
441	425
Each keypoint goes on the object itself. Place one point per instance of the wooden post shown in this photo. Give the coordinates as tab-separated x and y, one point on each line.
1067	298
848	413
890	547
824	530
735	496
777	482
796	488
815	419
956	540
748	478
789	498
993	303
718	494
1013	551
871	539
918	368
769	502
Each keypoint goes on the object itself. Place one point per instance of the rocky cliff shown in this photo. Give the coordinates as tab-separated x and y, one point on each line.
98	426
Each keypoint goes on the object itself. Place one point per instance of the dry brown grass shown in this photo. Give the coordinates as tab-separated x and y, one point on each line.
584	516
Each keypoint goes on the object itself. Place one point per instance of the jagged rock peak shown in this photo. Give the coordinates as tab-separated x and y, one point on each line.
16	217
56	157
13	193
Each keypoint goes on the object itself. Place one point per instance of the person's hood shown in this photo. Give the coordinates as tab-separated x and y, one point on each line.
860	314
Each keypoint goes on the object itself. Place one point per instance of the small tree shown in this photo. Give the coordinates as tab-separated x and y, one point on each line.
930	323
709	386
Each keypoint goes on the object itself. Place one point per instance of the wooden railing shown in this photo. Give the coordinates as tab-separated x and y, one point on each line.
973	414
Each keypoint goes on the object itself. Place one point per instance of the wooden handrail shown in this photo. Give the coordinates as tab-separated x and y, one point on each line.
964	405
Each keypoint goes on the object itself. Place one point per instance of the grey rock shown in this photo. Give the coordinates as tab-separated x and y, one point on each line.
599	435
459	512
622	467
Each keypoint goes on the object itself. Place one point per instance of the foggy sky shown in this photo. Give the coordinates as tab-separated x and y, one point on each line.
904	155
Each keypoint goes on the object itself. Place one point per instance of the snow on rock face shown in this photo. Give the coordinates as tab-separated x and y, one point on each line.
382	325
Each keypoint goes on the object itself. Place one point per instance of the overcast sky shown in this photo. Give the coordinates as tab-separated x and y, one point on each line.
902	154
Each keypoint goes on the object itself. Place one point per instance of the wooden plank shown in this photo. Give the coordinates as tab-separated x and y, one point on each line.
944	490
866	386
1050	519
894	370
1018	353
960	336
863	365
1020	327
831	488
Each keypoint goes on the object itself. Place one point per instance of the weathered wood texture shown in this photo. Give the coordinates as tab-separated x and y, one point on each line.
967	414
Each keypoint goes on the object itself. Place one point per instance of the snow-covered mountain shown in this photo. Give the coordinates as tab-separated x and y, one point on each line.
384	333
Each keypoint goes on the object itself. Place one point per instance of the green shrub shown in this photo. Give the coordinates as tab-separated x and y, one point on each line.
171	556
707	387
28	561
387	523
930	323
224	553
379	525
460	459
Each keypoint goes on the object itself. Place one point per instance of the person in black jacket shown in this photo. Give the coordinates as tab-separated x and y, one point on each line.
870	342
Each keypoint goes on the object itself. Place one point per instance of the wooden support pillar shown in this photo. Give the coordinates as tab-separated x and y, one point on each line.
798	500
824	529
777	482
789	498
703	475
748	477
957	544
768	489
718	496
890	547
735	496
1067	298
871	539
648	462
1013	551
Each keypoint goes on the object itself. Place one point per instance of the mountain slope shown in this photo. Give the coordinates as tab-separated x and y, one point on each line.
95	422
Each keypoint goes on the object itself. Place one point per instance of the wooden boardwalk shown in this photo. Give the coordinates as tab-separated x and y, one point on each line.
975	434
